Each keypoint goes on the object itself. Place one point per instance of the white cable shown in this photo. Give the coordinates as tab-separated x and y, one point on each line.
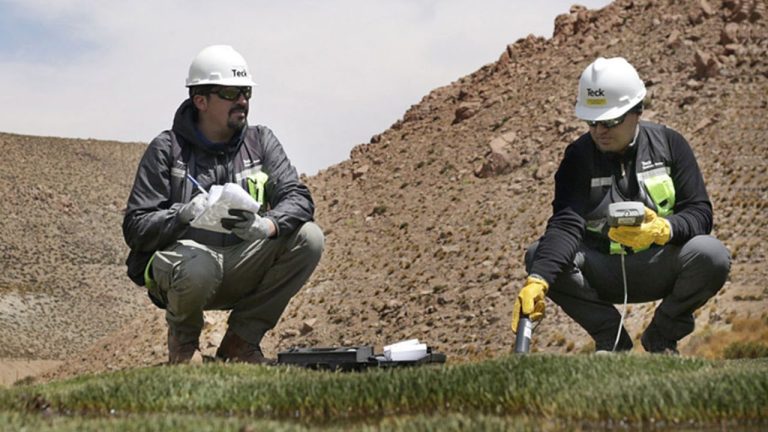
624	310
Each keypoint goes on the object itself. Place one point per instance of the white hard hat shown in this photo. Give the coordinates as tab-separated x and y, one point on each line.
219	65
608	88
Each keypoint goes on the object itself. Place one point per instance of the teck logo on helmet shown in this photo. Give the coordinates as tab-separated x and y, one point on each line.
595	93
239	73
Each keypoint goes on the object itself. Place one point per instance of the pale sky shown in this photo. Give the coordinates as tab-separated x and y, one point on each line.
330	73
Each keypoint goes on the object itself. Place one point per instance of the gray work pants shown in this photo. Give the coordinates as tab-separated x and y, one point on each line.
683	277
256	280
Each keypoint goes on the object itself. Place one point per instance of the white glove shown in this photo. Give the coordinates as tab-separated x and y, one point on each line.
246	225
193	208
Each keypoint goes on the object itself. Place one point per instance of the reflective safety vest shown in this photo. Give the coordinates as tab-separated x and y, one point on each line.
653	173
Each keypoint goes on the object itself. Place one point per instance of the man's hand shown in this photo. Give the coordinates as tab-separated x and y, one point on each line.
192	209
530	301
247	225
654	229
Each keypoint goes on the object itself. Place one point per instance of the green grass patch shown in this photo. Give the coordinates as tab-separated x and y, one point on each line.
569	391
201	423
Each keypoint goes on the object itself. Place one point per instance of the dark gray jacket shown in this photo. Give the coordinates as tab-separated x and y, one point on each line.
161	186
579	193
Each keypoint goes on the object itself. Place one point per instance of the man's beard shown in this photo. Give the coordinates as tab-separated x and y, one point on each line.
235	123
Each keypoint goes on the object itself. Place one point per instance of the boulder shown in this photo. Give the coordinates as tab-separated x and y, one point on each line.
501	158
706	65
466	110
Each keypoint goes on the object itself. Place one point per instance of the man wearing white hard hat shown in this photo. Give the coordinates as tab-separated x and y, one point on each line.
586	262
255	261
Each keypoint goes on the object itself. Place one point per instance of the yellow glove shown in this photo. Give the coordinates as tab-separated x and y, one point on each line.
530	301
654	229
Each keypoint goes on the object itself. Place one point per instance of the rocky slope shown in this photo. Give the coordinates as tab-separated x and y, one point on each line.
62	279
427	223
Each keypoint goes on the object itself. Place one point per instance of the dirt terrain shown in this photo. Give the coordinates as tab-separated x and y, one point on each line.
426	225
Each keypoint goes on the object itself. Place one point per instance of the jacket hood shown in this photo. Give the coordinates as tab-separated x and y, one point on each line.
184	125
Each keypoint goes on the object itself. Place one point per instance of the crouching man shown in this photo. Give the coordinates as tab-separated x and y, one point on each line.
670	257
256	269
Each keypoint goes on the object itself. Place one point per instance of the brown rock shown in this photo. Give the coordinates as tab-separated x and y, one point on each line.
694	85
741	10
564	25
703	123
465	110
502	144
706	65
729	35
673	40
575	9
688	100
308	325
413	114
501	158
582	20
545	170
696	17
359	172
736	49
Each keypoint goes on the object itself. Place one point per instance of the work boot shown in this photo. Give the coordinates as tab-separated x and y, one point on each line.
604	342
654	341
178	352
233	348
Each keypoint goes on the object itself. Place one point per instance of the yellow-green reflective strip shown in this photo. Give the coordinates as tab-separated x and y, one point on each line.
662	192
148	281
251	188
256	184
616	249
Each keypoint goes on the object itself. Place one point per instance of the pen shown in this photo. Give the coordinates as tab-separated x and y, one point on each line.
194	182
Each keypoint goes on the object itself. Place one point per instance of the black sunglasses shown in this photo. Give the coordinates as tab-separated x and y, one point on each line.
608	124
232	93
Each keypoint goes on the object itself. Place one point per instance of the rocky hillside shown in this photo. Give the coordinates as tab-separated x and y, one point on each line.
427	223
61	255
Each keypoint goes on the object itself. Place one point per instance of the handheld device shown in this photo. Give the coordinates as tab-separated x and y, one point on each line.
629	213
524	333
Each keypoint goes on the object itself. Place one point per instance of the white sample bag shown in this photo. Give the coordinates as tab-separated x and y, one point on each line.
220	200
